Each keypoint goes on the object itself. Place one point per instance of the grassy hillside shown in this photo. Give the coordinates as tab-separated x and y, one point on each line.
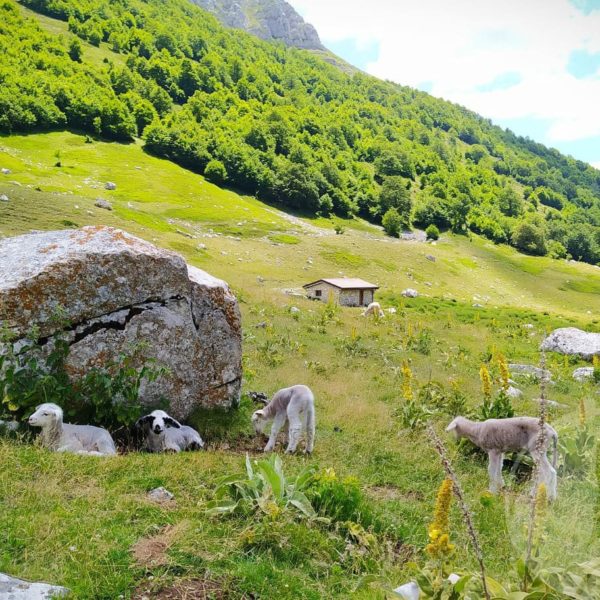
87	524
286	126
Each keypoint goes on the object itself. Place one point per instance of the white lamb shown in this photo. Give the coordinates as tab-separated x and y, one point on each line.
294	405
165	434
373	309
64	437
516	434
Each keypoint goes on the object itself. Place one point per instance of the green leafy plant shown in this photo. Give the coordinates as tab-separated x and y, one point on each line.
498	407
339	499
263	488
37	373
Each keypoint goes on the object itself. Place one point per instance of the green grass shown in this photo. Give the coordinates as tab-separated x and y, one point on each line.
73	520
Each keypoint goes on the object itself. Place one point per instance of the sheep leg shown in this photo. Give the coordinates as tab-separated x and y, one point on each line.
295	431
278	423
495	470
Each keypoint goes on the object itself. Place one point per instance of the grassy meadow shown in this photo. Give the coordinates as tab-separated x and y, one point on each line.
87	524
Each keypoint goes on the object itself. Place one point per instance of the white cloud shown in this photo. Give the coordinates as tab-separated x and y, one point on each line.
459	46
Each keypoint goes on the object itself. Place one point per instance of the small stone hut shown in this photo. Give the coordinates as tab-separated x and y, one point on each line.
346	291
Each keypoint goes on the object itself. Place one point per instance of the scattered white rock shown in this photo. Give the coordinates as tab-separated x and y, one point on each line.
552	403
408	591
294	310
12	588
391	310
410	293
583	373
184	233
518	369
5	171
109	185
513	392
260	279
201	247
570	340
527	326
160	494
3	198
430	257
101	203
476	305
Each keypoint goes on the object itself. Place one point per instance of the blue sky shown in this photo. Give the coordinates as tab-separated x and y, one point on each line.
531	65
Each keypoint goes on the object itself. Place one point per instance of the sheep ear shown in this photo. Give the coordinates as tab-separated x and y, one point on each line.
143	420
452	426
171	422
260	413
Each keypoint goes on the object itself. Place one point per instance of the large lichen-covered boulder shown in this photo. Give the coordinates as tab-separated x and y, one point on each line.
570	340
116	292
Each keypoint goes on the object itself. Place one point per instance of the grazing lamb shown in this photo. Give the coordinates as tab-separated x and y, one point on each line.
516	434
164	433
373	309
294	405
64	437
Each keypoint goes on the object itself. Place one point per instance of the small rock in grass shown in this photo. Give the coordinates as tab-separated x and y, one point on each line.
109	185
6	171
410	293
430	257
3	198
160	494
583	373
201	247
513	392
408	591
101	203
17	589
391	310
260	279
527	326
552	403
184	233
294	310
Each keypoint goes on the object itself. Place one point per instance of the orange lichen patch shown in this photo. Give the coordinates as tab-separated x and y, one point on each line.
48	248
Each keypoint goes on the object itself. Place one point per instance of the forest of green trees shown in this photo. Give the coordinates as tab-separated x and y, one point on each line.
288	127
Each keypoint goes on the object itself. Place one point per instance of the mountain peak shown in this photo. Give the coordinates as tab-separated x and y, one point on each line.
271	20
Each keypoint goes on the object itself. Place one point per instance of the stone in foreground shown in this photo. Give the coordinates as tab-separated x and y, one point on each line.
118	291
17	589
570	340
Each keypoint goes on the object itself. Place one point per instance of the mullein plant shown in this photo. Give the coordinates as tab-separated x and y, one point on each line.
439	549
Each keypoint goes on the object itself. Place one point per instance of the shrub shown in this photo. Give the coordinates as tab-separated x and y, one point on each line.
432	232
107	396
339	499
392	222
215	171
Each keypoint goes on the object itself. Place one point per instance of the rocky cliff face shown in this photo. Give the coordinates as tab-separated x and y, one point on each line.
267	19
118	292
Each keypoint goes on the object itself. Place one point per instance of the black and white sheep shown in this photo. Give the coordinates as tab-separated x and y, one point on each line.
163	433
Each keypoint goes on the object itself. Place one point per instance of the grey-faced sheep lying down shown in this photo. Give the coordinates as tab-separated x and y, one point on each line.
164	433
295	406
516	434
64	437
